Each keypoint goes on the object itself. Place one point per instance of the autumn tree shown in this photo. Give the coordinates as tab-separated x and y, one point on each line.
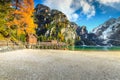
5	10
23	17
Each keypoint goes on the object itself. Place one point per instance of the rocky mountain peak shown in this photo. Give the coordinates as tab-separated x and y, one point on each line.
40	8
109	31
53	24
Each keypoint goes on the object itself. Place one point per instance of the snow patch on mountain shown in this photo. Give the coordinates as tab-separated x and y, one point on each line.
109	31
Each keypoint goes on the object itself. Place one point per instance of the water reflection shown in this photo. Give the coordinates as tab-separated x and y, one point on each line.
100	48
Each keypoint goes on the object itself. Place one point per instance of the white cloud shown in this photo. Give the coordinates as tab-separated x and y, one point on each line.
109	1
62	5
113	3
74	17
87	9
69	7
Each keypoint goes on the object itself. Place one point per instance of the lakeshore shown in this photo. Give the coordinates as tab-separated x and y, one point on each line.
32	64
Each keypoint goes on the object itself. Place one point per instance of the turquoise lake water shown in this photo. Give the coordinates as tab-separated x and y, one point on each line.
96	48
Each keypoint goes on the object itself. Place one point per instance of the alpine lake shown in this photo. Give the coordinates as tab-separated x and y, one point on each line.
94	48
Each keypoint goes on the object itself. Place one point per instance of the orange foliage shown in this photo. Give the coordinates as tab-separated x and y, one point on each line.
23	17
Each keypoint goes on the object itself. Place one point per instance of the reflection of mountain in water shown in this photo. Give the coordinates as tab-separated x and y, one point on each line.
97	48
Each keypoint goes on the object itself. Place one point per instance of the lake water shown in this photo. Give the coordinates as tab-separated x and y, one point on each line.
96	48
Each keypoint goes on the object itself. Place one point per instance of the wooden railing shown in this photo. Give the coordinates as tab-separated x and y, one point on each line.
47	45
8	46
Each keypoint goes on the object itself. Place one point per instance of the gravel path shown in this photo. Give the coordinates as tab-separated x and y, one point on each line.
59	65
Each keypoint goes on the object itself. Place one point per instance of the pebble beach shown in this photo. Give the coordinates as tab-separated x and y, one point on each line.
31	64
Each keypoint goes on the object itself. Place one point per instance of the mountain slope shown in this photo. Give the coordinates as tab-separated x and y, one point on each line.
109	32
54	25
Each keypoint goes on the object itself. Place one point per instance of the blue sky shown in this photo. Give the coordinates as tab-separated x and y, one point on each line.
90	13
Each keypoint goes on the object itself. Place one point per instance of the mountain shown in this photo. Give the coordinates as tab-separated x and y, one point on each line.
109	32
54	25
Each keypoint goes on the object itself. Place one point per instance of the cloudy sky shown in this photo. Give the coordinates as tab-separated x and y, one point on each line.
90	13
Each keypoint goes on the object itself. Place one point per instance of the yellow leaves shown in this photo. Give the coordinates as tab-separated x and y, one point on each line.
22	17
61	36
20	31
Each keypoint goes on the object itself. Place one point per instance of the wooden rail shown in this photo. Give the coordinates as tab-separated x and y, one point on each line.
8	46
47	45
40	45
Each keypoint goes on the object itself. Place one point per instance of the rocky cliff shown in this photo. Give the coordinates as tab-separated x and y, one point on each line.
109	32
53	24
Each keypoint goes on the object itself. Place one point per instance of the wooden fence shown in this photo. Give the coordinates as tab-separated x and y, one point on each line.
39	45
8	46
47	45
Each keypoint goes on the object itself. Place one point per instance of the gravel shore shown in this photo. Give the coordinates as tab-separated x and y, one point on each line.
31	64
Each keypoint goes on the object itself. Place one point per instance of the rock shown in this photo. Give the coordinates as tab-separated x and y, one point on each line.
54	24
41	9
109	32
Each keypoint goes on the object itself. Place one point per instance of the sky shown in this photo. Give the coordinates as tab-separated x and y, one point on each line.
90	13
